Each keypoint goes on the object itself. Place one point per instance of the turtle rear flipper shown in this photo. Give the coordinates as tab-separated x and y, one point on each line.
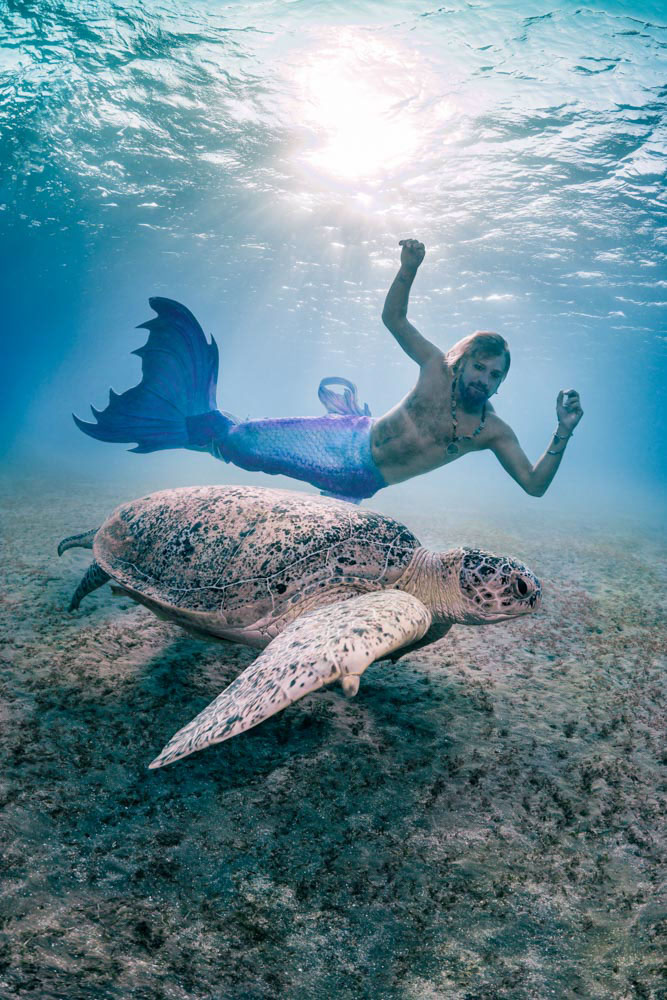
83	541
336	642
93	578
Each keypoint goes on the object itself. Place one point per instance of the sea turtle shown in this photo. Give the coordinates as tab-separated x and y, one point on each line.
325	587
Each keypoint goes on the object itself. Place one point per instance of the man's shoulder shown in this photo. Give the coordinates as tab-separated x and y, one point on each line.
434	374
496	428
437	362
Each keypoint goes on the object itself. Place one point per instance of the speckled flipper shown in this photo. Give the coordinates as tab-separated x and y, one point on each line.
336	642
93	578
83	541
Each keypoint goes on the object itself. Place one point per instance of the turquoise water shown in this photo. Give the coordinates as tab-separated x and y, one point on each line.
484	819
260	161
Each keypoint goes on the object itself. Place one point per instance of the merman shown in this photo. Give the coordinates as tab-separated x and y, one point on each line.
347	453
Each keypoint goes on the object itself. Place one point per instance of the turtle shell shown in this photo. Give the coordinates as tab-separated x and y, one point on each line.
226	559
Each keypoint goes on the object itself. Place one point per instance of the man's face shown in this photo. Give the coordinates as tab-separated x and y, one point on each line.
480	376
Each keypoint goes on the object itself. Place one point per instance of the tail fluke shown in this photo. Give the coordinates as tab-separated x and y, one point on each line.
179	376
83	541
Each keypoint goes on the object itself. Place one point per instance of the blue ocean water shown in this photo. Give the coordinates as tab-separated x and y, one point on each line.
260	162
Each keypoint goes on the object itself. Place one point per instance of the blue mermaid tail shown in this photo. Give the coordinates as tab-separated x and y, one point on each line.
332	452
179	376
174	406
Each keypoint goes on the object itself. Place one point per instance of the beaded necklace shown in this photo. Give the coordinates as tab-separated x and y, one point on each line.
452	447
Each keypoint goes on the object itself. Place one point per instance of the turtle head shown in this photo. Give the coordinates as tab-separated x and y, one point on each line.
482	588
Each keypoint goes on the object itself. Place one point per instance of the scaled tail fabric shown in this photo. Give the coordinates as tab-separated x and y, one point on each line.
174	406
332	452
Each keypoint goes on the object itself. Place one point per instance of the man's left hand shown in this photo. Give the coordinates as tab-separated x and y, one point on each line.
568	409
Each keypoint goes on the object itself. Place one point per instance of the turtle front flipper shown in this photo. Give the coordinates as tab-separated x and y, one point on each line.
434	634
336	642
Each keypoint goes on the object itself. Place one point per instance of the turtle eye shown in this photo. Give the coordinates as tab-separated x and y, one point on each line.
520	587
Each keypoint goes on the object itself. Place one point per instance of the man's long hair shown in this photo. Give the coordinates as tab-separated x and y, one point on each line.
482	343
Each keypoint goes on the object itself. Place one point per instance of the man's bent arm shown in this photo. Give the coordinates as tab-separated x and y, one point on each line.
394	314
534	479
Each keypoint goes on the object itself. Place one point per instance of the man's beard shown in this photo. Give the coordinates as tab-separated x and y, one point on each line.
475	393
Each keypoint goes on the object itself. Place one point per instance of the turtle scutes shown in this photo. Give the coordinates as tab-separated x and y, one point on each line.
325	587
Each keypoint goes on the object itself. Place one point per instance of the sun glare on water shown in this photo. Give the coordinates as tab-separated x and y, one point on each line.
355	95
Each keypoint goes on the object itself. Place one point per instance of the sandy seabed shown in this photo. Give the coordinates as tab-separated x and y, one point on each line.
486	819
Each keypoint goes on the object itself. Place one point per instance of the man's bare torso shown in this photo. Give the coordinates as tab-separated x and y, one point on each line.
412	437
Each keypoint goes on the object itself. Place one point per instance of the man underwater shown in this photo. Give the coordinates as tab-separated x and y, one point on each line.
346	454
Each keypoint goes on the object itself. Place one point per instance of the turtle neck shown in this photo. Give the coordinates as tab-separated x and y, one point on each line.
433	578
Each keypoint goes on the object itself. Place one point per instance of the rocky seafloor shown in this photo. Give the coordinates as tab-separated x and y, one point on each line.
486	819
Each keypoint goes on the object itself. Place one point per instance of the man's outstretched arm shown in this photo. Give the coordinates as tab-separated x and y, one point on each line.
394	314
536	479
